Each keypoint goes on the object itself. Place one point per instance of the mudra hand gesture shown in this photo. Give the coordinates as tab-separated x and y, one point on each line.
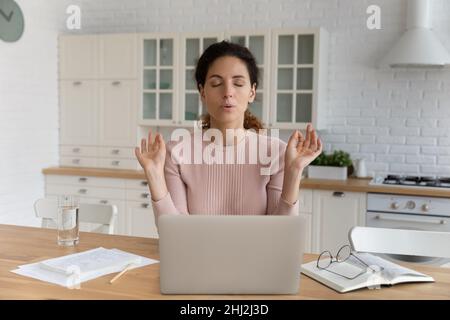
301	151
151	155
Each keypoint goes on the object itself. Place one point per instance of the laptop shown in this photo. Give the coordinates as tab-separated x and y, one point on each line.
205	254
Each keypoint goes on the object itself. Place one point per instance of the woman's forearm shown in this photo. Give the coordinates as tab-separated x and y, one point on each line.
157	185
291	186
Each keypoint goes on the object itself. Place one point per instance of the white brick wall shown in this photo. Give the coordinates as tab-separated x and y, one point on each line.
28	112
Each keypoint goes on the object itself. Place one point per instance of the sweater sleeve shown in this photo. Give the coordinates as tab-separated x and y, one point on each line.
275	204
175	201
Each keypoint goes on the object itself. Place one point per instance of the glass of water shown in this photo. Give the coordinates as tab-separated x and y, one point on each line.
67	220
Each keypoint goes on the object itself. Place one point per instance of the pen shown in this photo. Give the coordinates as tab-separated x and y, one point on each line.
121	273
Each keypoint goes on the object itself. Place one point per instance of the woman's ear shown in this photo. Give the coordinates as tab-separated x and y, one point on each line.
202	92
252	96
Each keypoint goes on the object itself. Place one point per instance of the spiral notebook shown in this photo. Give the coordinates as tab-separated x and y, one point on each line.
390	274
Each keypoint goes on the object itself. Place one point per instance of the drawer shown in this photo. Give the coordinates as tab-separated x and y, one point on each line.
139	184
85	181
78	151
116	152
86	192
118	163
305	200
139	195
78	162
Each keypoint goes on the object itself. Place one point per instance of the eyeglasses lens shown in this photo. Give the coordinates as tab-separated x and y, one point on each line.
324	260
343	254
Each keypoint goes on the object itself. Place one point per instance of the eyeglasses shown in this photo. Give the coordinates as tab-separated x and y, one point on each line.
326	259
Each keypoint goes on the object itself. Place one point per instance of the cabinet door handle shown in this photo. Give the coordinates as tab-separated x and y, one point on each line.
76	150
82	179
407	219
82	191
338	194
145	205
116	83
76	161
144	183
145	195
104	201
115	151
115	163
77	83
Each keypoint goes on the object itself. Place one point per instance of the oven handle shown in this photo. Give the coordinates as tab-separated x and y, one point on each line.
434	221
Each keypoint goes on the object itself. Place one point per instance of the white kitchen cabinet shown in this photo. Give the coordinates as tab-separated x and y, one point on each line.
132	198
158	83
299	75
117	56
141	220
78	56
117	113
79	112
108	56
96	112
305	211
334	213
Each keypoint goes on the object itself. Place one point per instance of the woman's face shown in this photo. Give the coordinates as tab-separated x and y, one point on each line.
227	92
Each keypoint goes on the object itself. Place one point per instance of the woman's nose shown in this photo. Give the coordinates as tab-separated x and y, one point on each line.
229	91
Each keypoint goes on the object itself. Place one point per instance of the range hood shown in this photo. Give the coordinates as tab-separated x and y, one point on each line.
419	47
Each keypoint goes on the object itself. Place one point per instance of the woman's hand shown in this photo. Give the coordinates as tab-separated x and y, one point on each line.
152	155
300	151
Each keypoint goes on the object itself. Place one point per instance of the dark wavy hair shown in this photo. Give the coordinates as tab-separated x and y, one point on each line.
222	49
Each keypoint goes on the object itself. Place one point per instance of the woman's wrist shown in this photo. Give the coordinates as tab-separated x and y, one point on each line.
157	185
291	185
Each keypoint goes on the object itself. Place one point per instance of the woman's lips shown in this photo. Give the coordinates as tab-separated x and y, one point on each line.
228	107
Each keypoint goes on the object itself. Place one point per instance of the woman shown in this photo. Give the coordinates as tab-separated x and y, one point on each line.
227	79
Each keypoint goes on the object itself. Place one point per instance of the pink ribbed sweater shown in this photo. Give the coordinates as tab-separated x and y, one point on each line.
224	189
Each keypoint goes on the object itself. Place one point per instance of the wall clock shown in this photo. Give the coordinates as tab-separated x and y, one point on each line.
11	21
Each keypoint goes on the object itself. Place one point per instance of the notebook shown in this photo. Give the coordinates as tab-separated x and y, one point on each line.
390	274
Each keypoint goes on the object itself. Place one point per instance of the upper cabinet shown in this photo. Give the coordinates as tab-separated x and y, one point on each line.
111	56
158	79
117	53
298	73
78	57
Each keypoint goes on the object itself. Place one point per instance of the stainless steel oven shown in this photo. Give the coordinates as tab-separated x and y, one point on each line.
409	212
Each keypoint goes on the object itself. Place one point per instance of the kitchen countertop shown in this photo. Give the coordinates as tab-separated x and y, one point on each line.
351	184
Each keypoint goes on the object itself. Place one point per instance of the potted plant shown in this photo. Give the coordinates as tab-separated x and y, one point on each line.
332	166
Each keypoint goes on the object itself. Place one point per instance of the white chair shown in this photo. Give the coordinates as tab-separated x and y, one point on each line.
400	241
102	214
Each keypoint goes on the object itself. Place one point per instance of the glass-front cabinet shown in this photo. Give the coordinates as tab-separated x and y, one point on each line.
192	46
158	85
298	78
292	83
258	43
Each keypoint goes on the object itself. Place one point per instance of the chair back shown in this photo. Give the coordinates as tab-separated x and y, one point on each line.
400	241
103	214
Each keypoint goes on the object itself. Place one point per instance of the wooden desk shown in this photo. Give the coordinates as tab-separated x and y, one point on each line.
22	245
